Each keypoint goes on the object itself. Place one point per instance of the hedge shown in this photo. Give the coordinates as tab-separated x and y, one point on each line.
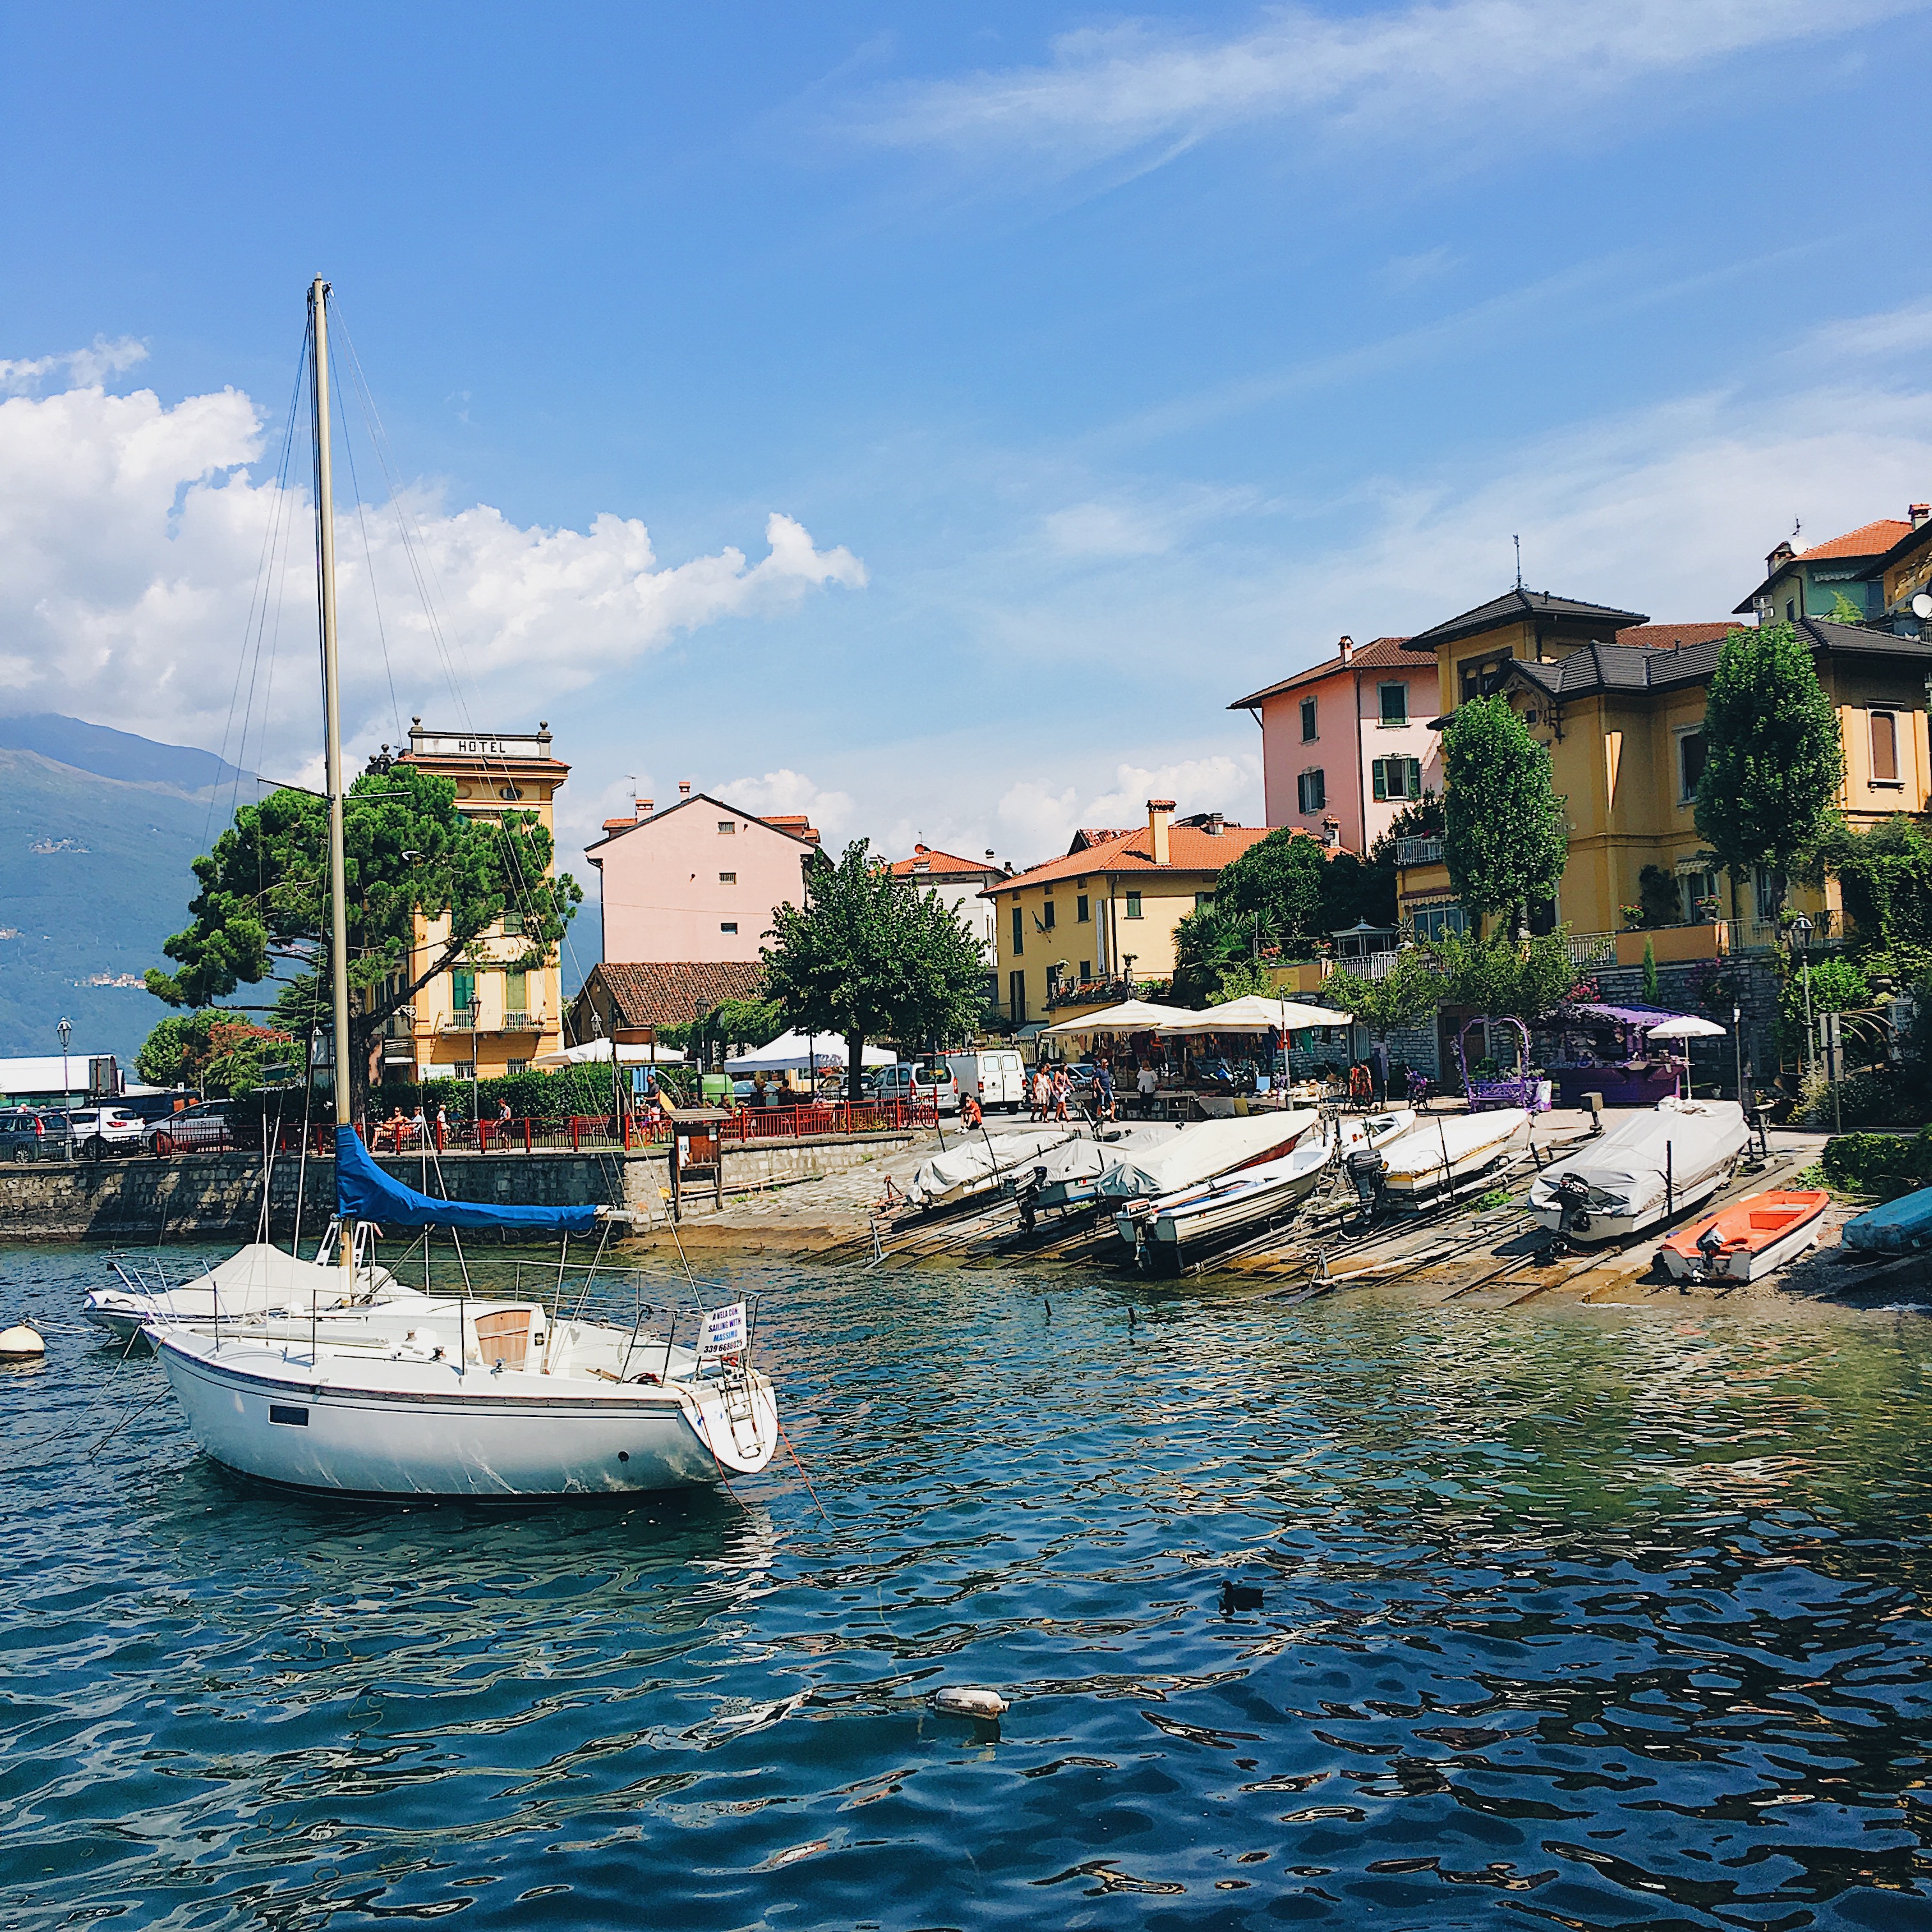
1879	1163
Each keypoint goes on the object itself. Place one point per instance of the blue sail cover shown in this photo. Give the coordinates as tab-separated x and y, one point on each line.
363	1192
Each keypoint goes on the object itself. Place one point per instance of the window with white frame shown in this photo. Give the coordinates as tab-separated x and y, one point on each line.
1312	790
1394	703
1884	748
1308	720
1689	764
1432	922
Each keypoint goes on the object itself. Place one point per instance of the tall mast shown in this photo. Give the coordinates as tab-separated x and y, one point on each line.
332	707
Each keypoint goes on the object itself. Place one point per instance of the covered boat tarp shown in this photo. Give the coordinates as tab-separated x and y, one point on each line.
970	1166
1691	1141
363	1192
1197	1153
1897	1228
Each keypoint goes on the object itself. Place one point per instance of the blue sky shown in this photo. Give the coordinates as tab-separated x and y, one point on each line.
1103	366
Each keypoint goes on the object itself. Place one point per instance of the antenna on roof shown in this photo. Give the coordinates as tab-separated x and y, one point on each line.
1518	542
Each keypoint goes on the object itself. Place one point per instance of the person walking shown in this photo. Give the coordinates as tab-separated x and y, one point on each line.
1378	1070
1063	1089
1147	1084
1103	1092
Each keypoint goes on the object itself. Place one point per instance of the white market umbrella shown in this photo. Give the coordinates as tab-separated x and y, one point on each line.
1129	1016
1254	1013
795	1052
1686	1026
599	1050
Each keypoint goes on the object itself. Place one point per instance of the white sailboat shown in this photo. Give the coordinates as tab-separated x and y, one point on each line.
408	1395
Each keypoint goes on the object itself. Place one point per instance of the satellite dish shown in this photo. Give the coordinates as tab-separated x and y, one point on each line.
1922	605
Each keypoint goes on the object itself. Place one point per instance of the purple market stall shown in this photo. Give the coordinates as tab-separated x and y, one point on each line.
1614	1059
1511	1089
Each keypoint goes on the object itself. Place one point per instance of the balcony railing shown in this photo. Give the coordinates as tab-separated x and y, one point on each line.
1418	852
1591	949
522	1022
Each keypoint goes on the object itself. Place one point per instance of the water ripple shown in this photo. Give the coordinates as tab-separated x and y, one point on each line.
1592	1619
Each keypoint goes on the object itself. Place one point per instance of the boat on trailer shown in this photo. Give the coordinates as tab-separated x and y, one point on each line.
1445	1150
1647	1168
1748	1240
1163	1231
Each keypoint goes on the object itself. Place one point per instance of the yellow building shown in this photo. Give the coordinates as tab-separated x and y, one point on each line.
490	1016
1070	930
1620	703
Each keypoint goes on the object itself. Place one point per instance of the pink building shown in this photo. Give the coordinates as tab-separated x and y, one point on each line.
697	881
1346	745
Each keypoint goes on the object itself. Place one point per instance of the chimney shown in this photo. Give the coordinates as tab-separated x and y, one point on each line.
683	789
1212	823
1160	816
1919	513
1331	834
1347	649
644	808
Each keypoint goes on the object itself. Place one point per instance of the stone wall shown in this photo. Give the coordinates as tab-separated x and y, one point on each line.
193	1195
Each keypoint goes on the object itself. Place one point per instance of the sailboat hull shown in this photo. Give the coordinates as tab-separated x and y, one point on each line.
492	1442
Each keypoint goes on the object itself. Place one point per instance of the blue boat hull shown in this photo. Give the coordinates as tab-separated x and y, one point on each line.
1896	1228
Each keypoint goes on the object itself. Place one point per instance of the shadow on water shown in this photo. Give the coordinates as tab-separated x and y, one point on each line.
1584	1619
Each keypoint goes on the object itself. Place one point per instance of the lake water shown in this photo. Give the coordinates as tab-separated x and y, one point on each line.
1611	1618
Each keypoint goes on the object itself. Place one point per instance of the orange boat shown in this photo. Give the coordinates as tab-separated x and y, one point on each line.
1751	1238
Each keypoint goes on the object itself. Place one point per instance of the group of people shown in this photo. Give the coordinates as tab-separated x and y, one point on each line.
402	1130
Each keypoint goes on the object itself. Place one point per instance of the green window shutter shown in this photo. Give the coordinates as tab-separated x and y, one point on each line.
1019	930
1380	768
462	988
1415	778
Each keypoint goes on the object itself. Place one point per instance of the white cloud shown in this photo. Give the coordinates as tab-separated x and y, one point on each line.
1109	92
1106	530
788	791
83	367
1897	331
131	537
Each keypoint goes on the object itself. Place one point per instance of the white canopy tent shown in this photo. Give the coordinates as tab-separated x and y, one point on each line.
796	1052
600	1051
1687	1026
1129	1016
1253	1013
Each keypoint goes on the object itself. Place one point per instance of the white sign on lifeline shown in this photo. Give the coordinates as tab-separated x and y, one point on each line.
724	1331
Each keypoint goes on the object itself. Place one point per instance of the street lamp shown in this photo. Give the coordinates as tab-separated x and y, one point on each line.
64	1028
475	1067
1801	934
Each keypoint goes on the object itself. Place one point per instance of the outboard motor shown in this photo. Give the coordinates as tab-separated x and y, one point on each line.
1573	1210
1710	1245
1029	1199
1365	1172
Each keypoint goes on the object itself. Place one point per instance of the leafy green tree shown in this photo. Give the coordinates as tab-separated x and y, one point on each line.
1413	987
263	903
1526	980
1503	833
1651	990
1281	878
1212	941
1837	986
1885	876
220	1053
1773	759
870	957
1238	981
1657	901
1843	610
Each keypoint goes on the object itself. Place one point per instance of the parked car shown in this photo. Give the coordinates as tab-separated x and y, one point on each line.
929	1081
204	1128
996	1077
32	1133
99	1131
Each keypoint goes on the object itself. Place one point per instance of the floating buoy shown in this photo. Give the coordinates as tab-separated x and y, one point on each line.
20	1343
963	1700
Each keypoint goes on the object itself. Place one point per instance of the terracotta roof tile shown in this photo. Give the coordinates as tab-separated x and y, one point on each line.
940	865
1668	636
1867	540
1190	849
652	992
1379	652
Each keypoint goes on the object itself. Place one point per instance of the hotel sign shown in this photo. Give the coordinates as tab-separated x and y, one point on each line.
479	744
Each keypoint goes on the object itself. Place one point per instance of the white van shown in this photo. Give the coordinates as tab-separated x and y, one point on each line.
997	1075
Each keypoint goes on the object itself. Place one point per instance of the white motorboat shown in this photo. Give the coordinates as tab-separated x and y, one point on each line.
1069	1176
488	1400
1647	1169
1449	1148
1199	1152
1247	1200
978	1164
256	1284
